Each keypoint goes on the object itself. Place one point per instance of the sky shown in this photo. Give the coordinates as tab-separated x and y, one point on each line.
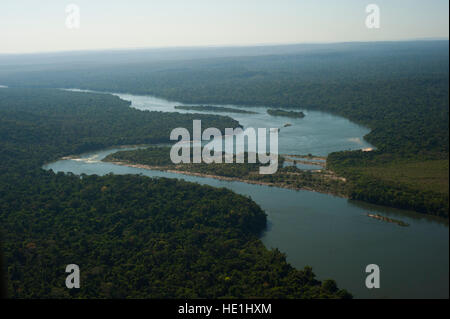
28	26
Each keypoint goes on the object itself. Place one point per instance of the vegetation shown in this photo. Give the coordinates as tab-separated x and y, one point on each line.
416	183
160	156
285	113
55	116
287	177
132	236
399	90
207	108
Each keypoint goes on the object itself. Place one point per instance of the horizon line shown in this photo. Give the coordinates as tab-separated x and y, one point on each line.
211	46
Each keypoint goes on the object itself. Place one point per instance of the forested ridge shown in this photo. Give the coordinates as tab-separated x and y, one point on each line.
132	236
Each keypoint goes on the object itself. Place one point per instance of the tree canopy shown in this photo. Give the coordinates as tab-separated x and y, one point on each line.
132	236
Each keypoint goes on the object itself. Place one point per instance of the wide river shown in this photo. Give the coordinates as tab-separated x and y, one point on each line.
333	235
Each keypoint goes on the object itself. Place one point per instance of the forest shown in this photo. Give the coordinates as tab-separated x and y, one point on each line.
287	177
417	183
285	113
132	236
397	89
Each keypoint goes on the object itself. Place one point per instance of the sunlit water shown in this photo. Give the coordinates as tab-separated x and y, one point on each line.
317	133
333	235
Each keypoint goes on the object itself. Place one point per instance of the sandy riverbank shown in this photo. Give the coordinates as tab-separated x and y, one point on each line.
223	178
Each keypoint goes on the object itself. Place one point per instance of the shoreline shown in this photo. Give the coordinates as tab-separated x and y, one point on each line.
223	178
388	220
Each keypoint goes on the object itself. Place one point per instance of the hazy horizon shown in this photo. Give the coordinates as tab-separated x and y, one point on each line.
35	27
224	46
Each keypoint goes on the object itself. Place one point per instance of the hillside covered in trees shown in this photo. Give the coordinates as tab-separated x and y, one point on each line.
132	236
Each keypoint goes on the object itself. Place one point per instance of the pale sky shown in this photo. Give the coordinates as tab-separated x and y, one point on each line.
40	26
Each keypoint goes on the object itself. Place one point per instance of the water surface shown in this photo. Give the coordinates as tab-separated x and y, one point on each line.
317	133
331	234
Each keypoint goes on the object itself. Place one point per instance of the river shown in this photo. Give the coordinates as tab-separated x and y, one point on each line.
333	235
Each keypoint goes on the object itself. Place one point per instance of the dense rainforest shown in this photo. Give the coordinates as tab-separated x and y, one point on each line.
50	119
132	236
415	182
397	89
285	113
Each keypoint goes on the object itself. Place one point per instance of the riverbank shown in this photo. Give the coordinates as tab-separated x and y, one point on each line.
388	220
329	175
320	230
